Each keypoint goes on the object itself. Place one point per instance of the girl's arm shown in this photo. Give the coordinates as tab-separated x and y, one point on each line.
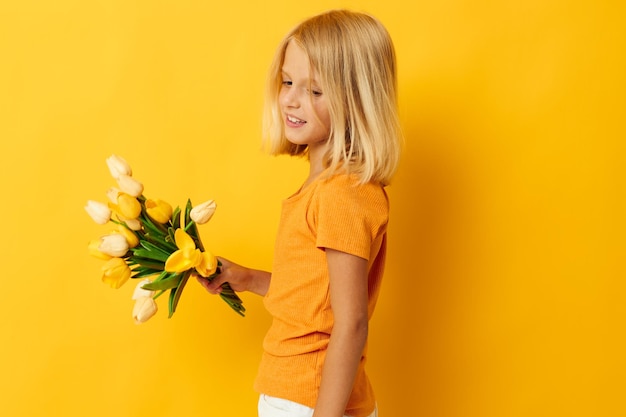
239	277
348	297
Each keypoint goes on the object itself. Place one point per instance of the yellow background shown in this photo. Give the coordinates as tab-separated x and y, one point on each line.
505	291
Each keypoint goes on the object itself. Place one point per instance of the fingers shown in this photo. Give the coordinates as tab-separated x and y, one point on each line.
213	286
229	272
224	262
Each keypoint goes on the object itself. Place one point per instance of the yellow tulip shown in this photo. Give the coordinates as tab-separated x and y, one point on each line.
207	265
145	307
186	257
113	195
129	185
159	210
118	166
128	206
115	272
114	245
130	237
202	213
94	251
99	212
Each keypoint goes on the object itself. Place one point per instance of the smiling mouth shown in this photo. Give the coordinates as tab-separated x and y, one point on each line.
295	120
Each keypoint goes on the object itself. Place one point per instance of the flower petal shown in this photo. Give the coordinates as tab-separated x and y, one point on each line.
129	235
118	166
99	212
202	213
140	292
112	194
207	265
183	259
177	262
115	272
129	185
183	240
159	210
129	206
144	309
94	251
114	244
133	224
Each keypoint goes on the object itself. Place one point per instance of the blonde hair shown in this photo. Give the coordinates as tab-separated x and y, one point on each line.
355	60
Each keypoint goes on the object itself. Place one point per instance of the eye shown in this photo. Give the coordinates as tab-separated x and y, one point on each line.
315	93
287	83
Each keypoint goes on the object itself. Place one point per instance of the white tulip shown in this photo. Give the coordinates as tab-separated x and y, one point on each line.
114	245
129	185
145	307
112	194
202	213
140	292
99	212
118	166
133	224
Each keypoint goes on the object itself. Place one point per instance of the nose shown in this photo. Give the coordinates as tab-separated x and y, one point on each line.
289	97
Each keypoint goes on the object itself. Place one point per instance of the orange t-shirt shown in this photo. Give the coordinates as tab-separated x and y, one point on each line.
336	213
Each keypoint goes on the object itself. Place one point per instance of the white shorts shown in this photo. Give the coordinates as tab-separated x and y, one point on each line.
278	407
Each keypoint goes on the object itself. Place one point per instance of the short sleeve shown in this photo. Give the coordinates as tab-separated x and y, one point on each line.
349	216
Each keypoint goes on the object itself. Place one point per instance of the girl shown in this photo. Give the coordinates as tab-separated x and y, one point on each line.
332	98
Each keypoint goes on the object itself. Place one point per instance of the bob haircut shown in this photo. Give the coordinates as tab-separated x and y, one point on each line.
356	63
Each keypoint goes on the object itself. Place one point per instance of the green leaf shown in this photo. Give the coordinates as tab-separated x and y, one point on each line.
162	241
146	263
170	232
192	228
141	272
176	218
152	247
149	254
228	294
188	208
232	299
177	292
164	284
144	274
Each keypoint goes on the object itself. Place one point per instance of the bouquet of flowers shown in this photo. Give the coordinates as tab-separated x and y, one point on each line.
152	241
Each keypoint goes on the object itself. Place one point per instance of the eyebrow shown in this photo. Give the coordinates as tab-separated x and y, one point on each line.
312	82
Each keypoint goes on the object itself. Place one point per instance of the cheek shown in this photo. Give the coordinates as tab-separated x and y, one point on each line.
324	116
322	112
281	96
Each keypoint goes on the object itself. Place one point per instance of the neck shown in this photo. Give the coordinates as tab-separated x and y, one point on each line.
316	161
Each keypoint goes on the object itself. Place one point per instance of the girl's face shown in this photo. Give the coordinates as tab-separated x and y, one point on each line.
303	104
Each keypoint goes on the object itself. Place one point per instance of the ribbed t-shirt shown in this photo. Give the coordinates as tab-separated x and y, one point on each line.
337	213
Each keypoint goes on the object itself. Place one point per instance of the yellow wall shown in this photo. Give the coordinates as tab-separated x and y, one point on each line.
505	291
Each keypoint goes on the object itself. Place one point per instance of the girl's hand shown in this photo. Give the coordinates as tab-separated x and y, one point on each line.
239	277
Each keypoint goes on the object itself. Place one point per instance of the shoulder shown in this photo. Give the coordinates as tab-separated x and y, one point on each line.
342	196
346	187
348	216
